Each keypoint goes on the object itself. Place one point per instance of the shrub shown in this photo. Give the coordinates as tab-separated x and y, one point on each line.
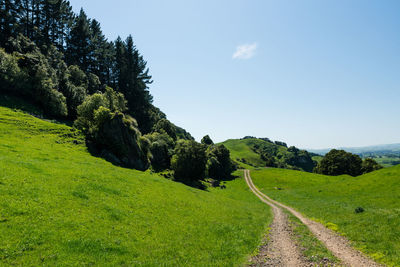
189	161
338	162
370	165
219	164
359	210
206	140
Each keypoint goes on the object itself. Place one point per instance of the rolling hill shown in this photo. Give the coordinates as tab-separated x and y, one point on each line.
387	155
262	152
59	205
365	208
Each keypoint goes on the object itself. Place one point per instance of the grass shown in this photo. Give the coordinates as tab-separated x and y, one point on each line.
60	206
240	149
333	201
311	248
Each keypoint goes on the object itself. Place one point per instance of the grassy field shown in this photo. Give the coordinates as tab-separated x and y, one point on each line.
333	201
240	149
60	206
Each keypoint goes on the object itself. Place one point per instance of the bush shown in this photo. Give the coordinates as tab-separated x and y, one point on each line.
359	210
338	162
165	126
28	74
111	100
206	140
189	161
161	149
370	165
219	164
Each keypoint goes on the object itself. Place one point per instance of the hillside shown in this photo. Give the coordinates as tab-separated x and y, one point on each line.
387	155
333	200
61	206
261	152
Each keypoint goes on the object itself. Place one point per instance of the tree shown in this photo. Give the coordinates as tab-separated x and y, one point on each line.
111	100
8	20
78	42
189	161
206	140
133	80
219	164
370	165
161	148
338	162
165	126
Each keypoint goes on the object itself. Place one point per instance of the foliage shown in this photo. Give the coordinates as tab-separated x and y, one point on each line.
28	73
165	126
111	100
219	165
189	161
369	165
161	149
206	140
39	35
338	162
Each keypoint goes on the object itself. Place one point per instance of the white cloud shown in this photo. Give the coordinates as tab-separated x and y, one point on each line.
245	51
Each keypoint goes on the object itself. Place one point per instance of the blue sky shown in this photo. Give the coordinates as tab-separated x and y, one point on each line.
314	74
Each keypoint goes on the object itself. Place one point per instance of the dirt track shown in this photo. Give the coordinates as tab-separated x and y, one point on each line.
283	252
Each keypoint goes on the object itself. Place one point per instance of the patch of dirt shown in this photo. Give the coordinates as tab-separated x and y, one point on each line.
338	245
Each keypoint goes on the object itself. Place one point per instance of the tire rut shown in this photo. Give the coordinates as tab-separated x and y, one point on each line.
338	245
280	250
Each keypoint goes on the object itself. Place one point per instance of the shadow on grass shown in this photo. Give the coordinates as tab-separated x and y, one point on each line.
18	103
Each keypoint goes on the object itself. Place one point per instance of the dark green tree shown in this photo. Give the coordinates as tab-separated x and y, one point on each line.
189	161
219	164
206	140
338	162
78	42
370	165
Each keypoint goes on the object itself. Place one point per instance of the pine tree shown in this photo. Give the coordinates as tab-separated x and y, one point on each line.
8	20
78	49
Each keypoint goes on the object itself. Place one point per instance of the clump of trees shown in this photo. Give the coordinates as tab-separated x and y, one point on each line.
277	154
62	62
338	162
194	161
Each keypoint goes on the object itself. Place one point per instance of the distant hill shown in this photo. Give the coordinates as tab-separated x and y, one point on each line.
360	150
262	152
387	155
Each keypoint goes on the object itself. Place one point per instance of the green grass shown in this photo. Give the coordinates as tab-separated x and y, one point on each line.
60	206
240	149
311	248
333	200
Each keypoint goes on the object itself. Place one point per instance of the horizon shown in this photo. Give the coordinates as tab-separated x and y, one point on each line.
310	74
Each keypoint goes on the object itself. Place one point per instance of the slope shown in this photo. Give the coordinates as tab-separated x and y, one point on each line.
61	206
337	202
262	152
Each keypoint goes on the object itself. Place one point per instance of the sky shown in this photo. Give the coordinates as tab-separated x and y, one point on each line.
311	73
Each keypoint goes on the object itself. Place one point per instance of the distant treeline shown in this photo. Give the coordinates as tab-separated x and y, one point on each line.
62	62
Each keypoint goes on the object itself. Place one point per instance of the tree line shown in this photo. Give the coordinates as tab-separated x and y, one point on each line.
63	63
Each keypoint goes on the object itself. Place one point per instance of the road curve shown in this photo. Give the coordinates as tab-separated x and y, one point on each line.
338	245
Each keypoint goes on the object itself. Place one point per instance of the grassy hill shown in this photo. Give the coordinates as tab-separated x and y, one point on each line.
61	206
333	201
261	152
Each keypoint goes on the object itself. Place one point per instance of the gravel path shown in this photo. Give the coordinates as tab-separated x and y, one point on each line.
338	245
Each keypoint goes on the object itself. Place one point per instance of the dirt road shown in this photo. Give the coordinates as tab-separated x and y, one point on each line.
283	252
